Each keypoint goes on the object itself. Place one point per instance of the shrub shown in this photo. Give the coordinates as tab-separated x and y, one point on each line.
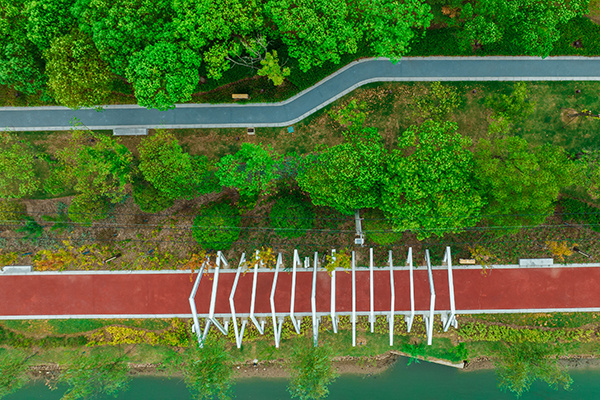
217	226
291	216
87	209
581	213
11	212
149	199
378	229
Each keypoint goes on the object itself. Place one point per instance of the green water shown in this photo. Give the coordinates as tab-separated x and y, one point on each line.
420	381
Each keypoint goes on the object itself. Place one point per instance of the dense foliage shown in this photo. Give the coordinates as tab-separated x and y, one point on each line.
13	371
348	176
95	373
18	178
172	172
428	186
520	364
217	226
311	372
520	182
208	371
162	48
292	215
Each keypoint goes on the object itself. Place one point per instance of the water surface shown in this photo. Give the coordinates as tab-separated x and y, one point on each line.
420	381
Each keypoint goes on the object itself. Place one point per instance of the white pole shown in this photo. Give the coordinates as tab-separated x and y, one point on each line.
353	301
393	300
371	294
260	326
192	300
213	298
295	322
238	336
432	300
452	318
333	314
313	302
410	319
276	327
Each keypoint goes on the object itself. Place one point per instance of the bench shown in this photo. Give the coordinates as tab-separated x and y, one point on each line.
240	96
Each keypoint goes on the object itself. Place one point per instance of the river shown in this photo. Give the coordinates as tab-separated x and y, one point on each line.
420	381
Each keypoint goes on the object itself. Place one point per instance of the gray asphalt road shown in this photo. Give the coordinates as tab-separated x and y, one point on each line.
310	100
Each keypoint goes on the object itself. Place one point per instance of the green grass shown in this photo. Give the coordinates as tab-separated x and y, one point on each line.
78	326
542	320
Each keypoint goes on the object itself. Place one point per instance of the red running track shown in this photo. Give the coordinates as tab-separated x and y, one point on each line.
43	295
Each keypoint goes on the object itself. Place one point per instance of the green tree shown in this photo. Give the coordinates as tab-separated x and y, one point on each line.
87	208
518	365
172	172
520	182
219	30
77	75
348	176
17	163
428	185
292	215
100	169
13	371
251	170
272	70
508	110
21	64
525	26
121	28
208	371
12	212
389	25
93	373
48	19
311	372
163	74
148	198
217	226
315	31
439	101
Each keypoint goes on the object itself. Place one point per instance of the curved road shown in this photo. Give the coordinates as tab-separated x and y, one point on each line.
307	102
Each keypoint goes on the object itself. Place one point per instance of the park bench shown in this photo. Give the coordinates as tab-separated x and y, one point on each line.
240	96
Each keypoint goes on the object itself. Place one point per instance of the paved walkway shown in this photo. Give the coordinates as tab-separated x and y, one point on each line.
300	106
151	294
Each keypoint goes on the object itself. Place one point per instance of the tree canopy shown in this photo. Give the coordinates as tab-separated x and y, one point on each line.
163	74
95	165
77	75
520	182
528	27
311	372
18	178
207	371
428	185
167	167
251	170
93	373
348	176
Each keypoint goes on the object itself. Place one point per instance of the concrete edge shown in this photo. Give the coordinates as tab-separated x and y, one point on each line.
304	314
300	270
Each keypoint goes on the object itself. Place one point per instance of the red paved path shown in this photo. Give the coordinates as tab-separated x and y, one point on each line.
164	294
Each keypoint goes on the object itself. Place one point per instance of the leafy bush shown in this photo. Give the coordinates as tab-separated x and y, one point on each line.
217	226
87	209
291	216
581	213
149	199
378	229
31	230
12	212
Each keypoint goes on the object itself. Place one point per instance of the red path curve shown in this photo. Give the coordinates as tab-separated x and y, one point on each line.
43	295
